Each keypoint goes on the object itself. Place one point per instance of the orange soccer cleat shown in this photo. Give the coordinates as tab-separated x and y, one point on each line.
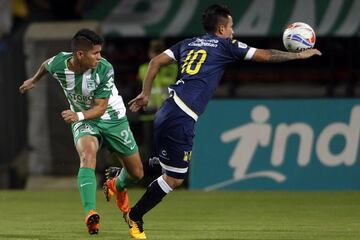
122	199
92	222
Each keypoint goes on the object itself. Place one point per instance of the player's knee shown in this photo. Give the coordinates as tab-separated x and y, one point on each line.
173	182
88	159
139	174
136	173
177	183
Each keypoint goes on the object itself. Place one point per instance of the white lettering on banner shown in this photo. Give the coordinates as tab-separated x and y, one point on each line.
339	17
282	133
352	21
125	19
330	16
181	19
351	133
257	134
257	18
248	143
304	11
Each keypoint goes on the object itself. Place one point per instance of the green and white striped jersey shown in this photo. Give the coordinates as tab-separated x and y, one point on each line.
82	89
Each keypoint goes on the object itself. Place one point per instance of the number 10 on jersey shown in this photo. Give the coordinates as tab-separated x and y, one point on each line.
191	66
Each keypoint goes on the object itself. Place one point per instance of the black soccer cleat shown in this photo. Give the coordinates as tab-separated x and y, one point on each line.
112	172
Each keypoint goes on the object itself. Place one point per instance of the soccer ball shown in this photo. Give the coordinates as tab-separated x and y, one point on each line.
299	36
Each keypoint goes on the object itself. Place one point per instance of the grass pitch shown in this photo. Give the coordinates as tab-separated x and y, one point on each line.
188	215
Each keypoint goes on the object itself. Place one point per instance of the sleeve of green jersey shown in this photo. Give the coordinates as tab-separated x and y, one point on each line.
49	64
104	89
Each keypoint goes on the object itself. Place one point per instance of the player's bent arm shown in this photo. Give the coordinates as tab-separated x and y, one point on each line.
154	66
30	83
141	100
41	71
272	55
99	108
95	112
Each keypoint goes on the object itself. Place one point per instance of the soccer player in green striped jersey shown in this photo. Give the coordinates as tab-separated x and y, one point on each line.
97	115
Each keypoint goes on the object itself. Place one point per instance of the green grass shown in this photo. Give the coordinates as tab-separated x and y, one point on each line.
188	215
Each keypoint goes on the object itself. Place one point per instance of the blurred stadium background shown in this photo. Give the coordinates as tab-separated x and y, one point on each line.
312	107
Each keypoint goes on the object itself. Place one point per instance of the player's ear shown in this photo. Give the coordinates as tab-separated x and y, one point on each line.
221	29
79	54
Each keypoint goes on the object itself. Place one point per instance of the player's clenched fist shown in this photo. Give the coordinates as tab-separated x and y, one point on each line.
69	116
27	85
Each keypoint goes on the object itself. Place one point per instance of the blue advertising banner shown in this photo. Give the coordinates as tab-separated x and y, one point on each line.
277	144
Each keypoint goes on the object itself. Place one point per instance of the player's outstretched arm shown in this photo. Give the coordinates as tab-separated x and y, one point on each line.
272	55
30	83
141	100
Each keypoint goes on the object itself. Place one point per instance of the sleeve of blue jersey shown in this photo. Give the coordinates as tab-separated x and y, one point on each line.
175	49
239	50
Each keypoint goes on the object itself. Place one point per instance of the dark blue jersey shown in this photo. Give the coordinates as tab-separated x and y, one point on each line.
202	62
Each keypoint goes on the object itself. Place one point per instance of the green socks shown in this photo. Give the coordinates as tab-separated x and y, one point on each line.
86	182
124	180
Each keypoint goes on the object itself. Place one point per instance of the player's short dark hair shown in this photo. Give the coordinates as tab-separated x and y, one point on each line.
212	16
85	39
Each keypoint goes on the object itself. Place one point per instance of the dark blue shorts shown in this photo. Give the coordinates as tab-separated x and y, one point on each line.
174	133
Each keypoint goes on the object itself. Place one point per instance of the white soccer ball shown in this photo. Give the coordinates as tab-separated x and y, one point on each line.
299	36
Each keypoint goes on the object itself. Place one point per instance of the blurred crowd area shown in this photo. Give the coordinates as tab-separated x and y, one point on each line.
334	75
19	13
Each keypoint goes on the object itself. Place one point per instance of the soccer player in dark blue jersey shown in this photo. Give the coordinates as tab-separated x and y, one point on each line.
201	62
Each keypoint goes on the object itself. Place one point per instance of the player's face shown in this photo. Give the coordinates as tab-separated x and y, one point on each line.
91	58
228	30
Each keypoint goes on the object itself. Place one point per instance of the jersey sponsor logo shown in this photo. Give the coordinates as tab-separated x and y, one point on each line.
79	97
87	129
90	84
110	73
242	45
77	125
187	156
204	42
180	81
163	155
109	85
